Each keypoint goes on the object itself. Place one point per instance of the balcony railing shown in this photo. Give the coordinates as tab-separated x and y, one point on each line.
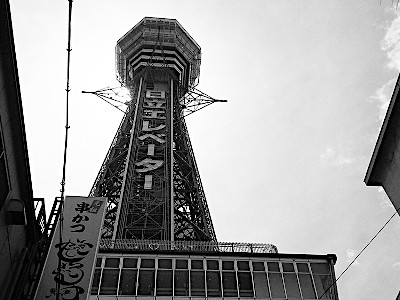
186	246
40	213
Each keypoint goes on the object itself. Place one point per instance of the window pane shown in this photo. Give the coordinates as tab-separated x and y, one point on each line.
165	263
245	284
273	267
164	283
181	264
261	285
98	262
212	265
322	282
197	264
288	267
109	282
146	282
127	284
320	268
258	266
181	283
292	287
227	265
213	284
243	265
306	286
112	263
130	263
303	268
276	285
197	283
147	263
229	284
95	282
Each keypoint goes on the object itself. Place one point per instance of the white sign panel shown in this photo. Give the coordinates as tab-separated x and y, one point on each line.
69	264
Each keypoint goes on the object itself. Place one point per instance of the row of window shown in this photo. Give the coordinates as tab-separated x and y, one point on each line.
211	278
212	264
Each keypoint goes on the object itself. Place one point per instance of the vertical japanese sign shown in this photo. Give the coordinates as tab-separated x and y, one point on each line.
69	264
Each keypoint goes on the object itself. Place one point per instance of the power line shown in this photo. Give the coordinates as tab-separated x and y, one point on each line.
61	219
366	246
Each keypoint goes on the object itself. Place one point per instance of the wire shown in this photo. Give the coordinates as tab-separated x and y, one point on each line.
67	101
61	219
366	246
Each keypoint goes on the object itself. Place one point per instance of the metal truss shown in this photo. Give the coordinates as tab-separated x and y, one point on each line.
109	180
192	217
146	214
195	100
115	96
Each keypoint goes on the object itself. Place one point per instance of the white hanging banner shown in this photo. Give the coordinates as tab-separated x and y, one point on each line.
69	263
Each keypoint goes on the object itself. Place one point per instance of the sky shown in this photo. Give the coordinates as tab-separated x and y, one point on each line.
283	162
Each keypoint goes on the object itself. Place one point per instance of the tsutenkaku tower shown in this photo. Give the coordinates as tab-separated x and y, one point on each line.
149	174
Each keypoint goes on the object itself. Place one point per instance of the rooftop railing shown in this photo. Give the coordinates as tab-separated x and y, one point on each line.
189	246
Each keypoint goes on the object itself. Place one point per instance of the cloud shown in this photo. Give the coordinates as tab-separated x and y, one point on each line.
336	158
350	256
396	265
391	42
382	97
384	201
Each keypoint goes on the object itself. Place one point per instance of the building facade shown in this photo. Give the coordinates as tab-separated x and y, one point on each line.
224	270
22	218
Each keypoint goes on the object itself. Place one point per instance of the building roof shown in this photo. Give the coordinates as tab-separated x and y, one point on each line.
383	156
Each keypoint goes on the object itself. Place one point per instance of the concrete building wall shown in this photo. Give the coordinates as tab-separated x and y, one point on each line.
19	234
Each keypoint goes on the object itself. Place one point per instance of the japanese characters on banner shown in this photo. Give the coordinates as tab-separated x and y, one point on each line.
70	262
154	108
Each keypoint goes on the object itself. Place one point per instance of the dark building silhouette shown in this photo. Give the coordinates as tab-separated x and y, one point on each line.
20	227
384	167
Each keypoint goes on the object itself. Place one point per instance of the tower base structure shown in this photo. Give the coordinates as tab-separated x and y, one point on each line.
209	270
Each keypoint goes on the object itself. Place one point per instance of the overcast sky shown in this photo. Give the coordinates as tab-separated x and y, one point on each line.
284	160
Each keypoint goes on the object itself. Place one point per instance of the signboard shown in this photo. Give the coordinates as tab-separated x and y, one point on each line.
69	264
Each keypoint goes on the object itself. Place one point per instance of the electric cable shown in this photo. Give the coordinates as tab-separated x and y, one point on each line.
61	217
366	246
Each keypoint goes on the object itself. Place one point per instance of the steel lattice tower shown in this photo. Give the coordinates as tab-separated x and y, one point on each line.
150	174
